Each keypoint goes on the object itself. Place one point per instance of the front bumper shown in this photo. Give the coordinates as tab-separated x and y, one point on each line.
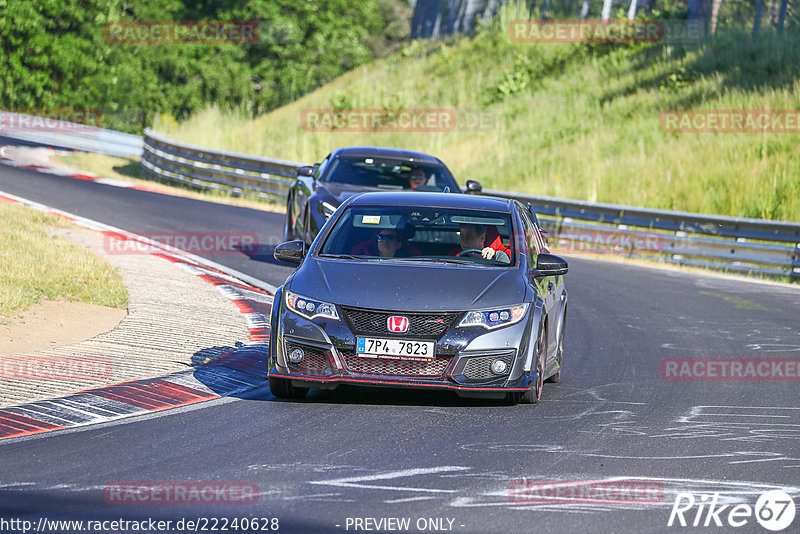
462	363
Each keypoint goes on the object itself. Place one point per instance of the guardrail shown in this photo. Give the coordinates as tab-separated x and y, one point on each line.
729	243
207	169
60	133
735	244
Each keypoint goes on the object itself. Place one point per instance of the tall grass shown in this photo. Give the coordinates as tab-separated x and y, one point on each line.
568	120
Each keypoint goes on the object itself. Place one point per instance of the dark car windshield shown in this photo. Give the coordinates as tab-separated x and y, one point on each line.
413	234
387	173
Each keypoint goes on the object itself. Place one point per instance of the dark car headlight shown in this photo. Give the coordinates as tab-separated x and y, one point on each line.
310	308
495	318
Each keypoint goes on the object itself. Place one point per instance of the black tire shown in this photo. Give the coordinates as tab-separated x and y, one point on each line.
559	352
534	393
288	228
284	389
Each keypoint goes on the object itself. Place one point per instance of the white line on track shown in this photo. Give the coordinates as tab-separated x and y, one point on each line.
356	482
408	499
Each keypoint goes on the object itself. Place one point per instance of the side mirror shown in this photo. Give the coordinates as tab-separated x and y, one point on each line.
474	187
305	170
550	265
291	252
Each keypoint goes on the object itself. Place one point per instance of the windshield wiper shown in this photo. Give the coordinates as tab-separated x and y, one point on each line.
438	260
341	256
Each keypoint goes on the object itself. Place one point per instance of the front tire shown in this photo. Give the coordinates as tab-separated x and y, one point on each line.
534	393
560	352
283	388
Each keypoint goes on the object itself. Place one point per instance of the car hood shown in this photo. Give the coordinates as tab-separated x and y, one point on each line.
408	287
337	193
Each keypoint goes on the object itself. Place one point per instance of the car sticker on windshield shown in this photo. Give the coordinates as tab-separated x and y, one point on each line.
371	219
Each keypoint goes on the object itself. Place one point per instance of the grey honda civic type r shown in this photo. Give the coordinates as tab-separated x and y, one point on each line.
421	290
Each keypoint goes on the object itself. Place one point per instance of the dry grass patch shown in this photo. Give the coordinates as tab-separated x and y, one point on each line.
37	266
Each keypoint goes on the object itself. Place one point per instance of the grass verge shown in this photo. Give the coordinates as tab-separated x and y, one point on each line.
35	265
577	121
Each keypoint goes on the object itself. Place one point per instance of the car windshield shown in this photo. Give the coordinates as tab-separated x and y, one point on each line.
387	173
409	233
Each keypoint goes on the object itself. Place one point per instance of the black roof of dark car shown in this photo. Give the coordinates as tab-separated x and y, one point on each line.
433	200
375	151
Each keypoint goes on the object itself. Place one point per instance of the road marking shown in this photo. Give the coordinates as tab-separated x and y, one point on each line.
355	482
409	499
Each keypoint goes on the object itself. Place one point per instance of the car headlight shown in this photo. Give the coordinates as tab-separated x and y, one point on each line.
310	308
495	318
327	209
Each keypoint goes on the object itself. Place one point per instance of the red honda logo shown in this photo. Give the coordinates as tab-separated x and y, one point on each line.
397	323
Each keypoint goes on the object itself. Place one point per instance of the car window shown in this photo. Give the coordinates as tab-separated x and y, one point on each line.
536	231
530	237
320	170
385	173
413	233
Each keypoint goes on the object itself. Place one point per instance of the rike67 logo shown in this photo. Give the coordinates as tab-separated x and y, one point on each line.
774	510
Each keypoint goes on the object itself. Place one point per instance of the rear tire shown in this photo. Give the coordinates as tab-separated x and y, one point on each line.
284	389
534	393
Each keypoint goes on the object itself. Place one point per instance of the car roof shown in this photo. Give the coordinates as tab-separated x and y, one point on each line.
433	200
384	152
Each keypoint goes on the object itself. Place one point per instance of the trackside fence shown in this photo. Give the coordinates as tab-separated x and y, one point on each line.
207	169
58	132
728	243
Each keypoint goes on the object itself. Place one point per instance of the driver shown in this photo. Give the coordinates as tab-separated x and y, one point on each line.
472	238
417	178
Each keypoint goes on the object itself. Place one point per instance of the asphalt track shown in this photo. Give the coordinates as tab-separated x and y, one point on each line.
425	455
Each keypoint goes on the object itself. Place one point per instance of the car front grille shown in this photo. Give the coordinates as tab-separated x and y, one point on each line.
480	367
378	366
421	325
315	362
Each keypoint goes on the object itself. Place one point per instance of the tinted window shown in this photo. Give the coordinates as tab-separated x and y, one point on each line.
321	169
386	173
530	236
412	233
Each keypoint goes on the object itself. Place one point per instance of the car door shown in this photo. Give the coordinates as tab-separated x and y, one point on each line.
548	287
304	189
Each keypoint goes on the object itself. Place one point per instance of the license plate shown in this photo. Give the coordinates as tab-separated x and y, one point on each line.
400	349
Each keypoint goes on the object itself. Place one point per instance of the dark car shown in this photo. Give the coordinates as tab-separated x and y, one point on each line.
421	290
320	189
